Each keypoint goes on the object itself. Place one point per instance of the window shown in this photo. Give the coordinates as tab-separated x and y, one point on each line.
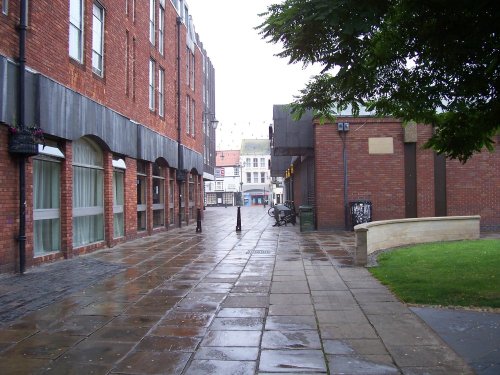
76	30
186	15
219	185
97	39
134	43
262	177
171	193
236	171
210	199
46	203
255	162
161	94
188	62
188	113
193	106
262	162
161	28
158	196
141	195
191	195
127	62
248	162
255	177
151	85
5	7
88	200
249	177
118	201
191	68
152	21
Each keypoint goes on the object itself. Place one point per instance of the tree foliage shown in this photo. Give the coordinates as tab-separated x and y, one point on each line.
430	61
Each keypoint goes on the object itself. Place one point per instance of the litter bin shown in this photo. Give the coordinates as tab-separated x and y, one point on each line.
306	218
361	212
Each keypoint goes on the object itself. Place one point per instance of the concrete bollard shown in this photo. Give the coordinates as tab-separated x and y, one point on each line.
198	221
238	221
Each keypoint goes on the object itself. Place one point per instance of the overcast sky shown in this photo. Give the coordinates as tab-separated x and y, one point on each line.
249	79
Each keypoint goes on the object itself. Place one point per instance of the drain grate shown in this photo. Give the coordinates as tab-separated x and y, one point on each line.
259	252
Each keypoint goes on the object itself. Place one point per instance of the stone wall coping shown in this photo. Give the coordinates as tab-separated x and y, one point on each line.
386	234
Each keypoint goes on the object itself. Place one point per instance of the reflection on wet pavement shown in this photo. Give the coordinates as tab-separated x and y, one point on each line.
266	300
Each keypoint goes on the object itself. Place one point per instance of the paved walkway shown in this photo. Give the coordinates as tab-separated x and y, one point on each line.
266	300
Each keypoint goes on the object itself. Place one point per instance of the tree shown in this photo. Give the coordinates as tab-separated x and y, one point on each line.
431	61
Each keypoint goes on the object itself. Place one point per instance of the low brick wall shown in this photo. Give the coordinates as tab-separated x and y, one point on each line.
386	234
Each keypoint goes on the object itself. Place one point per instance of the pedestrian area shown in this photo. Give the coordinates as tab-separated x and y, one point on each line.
266	300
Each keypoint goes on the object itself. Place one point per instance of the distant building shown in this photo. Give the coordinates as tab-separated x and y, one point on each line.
254	160
385	164
224	190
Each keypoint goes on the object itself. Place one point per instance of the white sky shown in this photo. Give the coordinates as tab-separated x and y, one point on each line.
249	79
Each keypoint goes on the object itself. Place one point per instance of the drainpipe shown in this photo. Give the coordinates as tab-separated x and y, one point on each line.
180	167
22	159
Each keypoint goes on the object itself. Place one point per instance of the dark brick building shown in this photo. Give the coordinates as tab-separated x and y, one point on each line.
124	93
386	165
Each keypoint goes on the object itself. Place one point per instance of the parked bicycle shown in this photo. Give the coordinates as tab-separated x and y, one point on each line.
283	213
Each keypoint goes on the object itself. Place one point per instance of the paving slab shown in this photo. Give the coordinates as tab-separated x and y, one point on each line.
266	300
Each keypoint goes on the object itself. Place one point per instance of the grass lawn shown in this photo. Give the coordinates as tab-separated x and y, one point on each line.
462	273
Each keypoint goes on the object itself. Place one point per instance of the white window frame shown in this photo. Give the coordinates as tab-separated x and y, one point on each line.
255	162
255	177
152	84
193	109
219	185
262	162
188	114
76	24
143	206
118	208
161	92
5	7
98	66
161	29
49	213
159	206
152	23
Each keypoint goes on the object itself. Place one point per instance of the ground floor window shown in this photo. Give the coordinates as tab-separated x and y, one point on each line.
158	196
211	199
228	198
171	194
141	196
88	202
46	203
118	200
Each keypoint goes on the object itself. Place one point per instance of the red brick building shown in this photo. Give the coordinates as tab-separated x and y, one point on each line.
123	91
385	165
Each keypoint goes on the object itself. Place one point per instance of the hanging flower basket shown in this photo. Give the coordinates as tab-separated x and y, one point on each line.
25	141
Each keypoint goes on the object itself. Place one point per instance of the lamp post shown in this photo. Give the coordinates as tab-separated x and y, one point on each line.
343	128
241	182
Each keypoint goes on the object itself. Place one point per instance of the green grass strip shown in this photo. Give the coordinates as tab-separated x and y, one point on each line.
462	273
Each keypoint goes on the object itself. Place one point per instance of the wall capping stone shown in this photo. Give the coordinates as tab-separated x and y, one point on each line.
386	234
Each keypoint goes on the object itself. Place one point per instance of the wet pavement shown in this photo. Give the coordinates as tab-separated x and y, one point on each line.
266	300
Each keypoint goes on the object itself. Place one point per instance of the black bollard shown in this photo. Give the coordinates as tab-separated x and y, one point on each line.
198	221
238	221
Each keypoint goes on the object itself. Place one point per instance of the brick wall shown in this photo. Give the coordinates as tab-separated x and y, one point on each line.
474	188
373	177
124	88
471	189
9	212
